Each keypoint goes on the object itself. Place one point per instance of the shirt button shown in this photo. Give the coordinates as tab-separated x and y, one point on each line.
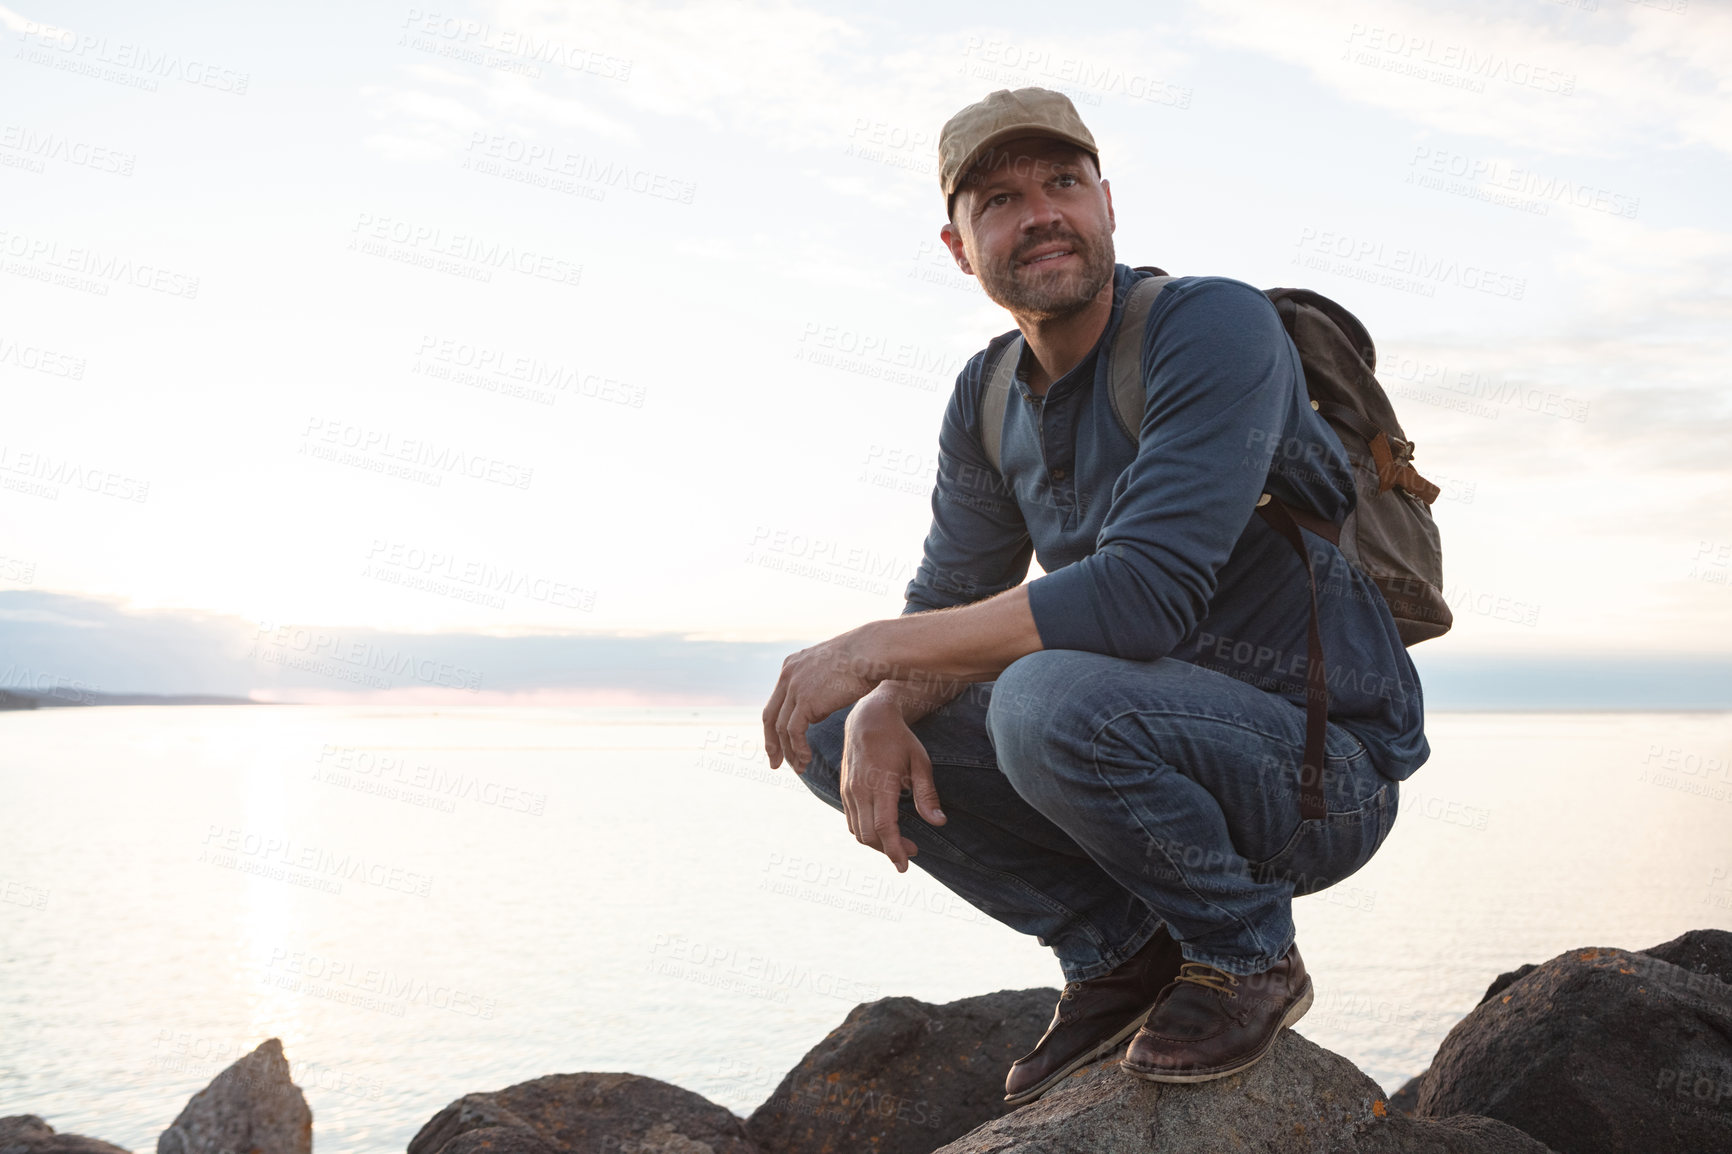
1058	474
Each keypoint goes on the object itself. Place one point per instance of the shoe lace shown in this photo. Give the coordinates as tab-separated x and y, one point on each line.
1207	975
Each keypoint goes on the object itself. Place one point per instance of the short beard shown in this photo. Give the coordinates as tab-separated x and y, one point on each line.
1051	301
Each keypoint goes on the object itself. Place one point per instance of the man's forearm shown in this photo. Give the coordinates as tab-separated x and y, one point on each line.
946	648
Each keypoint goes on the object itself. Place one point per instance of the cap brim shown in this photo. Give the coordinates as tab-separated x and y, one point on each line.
1004	136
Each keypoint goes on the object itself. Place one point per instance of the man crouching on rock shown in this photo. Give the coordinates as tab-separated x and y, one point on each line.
1117	744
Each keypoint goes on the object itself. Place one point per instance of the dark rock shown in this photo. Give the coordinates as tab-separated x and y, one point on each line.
1457	1134
1502	982
901	1076
1699	951
581	1114
1404	1099
29	1134
1298	1099
251	1106
516	1140
1596	1050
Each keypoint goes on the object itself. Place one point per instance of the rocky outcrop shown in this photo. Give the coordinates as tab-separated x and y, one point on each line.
1597	1049
584	1113
1698	952
251	1106
1405	1099
1503	981
28	1134
1600	1049
901	1076
1298	1099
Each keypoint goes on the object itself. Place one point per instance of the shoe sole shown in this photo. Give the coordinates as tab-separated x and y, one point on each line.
1081	1060
1156	1074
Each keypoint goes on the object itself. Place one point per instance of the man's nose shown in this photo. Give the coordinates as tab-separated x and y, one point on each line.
1039	211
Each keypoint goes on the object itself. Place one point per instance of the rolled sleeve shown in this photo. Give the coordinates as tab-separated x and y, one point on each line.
979	544
1219	370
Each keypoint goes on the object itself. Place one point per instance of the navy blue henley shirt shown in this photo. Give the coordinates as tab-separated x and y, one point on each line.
1152	550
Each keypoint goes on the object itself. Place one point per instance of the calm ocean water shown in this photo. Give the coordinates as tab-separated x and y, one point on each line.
427	902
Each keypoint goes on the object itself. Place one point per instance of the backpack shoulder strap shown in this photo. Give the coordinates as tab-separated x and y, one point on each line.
1286	520
1124	370
1000	372
1125	363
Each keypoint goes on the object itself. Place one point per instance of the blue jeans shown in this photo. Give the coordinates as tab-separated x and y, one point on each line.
1091	799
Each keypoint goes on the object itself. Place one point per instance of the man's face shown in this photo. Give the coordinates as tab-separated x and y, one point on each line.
1034	222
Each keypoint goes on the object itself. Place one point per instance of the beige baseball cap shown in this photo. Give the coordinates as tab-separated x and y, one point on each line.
1006	115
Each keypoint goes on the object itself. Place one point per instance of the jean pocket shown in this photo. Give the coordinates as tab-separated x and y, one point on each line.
1331	848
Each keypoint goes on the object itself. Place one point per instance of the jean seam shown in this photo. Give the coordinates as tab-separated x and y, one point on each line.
1094	761
906	809
1117	958
1361	818
1072	918
1235	722
1263	962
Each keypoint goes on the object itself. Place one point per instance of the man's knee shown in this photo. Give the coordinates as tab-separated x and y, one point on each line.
1033	693
1028	711
1018	691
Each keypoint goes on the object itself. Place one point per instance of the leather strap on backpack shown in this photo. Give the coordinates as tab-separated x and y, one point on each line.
1287	521
1390	472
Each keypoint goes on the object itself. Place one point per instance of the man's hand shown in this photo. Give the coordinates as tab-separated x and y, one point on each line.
939	649
815	683
880	758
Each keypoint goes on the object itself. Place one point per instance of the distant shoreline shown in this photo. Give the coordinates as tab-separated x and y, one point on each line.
52	699
16	699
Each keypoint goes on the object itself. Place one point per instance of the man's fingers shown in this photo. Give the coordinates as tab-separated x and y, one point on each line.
785	732
857	804
924	790
772	711
888	833
872	796
844	779
886	791
851	805
798	751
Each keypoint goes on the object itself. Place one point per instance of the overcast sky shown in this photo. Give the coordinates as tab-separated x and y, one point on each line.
629	317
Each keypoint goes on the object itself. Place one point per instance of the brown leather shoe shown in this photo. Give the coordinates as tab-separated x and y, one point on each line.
1093	1018
1211	1023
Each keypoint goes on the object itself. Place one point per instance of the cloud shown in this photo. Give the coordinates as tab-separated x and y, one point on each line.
793	77
60	641
1500	71
18	23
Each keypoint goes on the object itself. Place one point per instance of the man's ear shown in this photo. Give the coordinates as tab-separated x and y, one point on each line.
952	238
1108	189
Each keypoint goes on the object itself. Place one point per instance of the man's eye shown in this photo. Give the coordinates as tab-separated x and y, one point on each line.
1066	179
1001	199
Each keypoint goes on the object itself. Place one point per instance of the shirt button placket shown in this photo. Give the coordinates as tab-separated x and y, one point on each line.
1057	445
